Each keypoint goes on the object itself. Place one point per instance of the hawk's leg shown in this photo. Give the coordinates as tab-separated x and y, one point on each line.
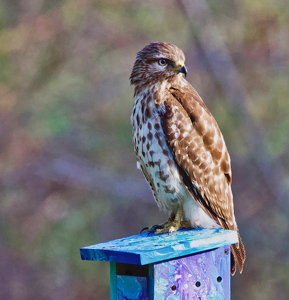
186	224
153	228
173	224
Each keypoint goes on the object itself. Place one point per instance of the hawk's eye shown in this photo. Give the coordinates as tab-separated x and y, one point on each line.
162	62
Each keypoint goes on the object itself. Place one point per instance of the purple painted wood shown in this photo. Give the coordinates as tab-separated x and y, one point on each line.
131	287
202	276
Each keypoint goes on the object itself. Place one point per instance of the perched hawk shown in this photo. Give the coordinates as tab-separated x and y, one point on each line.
179	146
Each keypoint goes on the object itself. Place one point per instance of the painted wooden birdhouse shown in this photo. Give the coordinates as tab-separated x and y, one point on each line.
189	264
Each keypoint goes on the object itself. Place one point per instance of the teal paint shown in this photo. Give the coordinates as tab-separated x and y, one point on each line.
189	264
113	295
145	249
131	287
151	282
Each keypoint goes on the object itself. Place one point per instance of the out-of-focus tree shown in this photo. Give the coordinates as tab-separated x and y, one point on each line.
67	168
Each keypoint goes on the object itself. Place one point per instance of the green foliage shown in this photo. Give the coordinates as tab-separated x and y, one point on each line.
65	135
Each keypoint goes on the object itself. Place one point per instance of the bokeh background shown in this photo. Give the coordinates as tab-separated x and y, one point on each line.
67	168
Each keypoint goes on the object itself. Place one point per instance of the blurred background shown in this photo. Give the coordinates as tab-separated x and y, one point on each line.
68	172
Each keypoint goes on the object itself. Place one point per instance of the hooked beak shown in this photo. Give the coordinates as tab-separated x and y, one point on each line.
180	66
183	70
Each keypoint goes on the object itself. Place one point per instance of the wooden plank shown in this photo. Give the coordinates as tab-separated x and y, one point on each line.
113	294
201	276
151	281
145	249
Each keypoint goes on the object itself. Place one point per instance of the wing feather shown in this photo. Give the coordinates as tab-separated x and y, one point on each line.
199	150
197	144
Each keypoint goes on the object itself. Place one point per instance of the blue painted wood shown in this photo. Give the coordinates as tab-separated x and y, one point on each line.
151	282
144	249
113	293
131	287
201	276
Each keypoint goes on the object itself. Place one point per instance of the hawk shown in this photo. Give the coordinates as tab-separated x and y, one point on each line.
180	148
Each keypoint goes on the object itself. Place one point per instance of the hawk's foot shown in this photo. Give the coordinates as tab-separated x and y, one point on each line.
155	228
173	224
186	224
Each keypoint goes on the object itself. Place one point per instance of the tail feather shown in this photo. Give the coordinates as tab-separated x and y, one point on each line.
238	256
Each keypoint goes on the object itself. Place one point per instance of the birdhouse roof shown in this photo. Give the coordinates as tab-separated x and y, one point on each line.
142	249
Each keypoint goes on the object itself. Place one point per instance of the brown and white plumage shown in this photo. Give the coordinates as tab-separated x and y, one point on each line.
179	146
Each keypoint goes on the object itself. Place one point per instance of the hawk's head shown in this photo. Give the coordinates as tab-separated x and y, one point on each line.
157	62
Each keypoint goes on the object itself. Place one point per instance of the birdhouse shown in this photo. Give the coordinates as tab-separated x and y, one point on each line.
188	264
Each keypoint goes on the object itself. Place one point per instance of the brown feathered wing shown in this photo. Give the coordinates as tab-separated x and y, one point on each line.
200	152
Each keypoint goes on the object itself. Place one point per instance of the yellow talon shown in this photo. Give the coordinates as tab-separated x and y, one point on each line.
172	225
